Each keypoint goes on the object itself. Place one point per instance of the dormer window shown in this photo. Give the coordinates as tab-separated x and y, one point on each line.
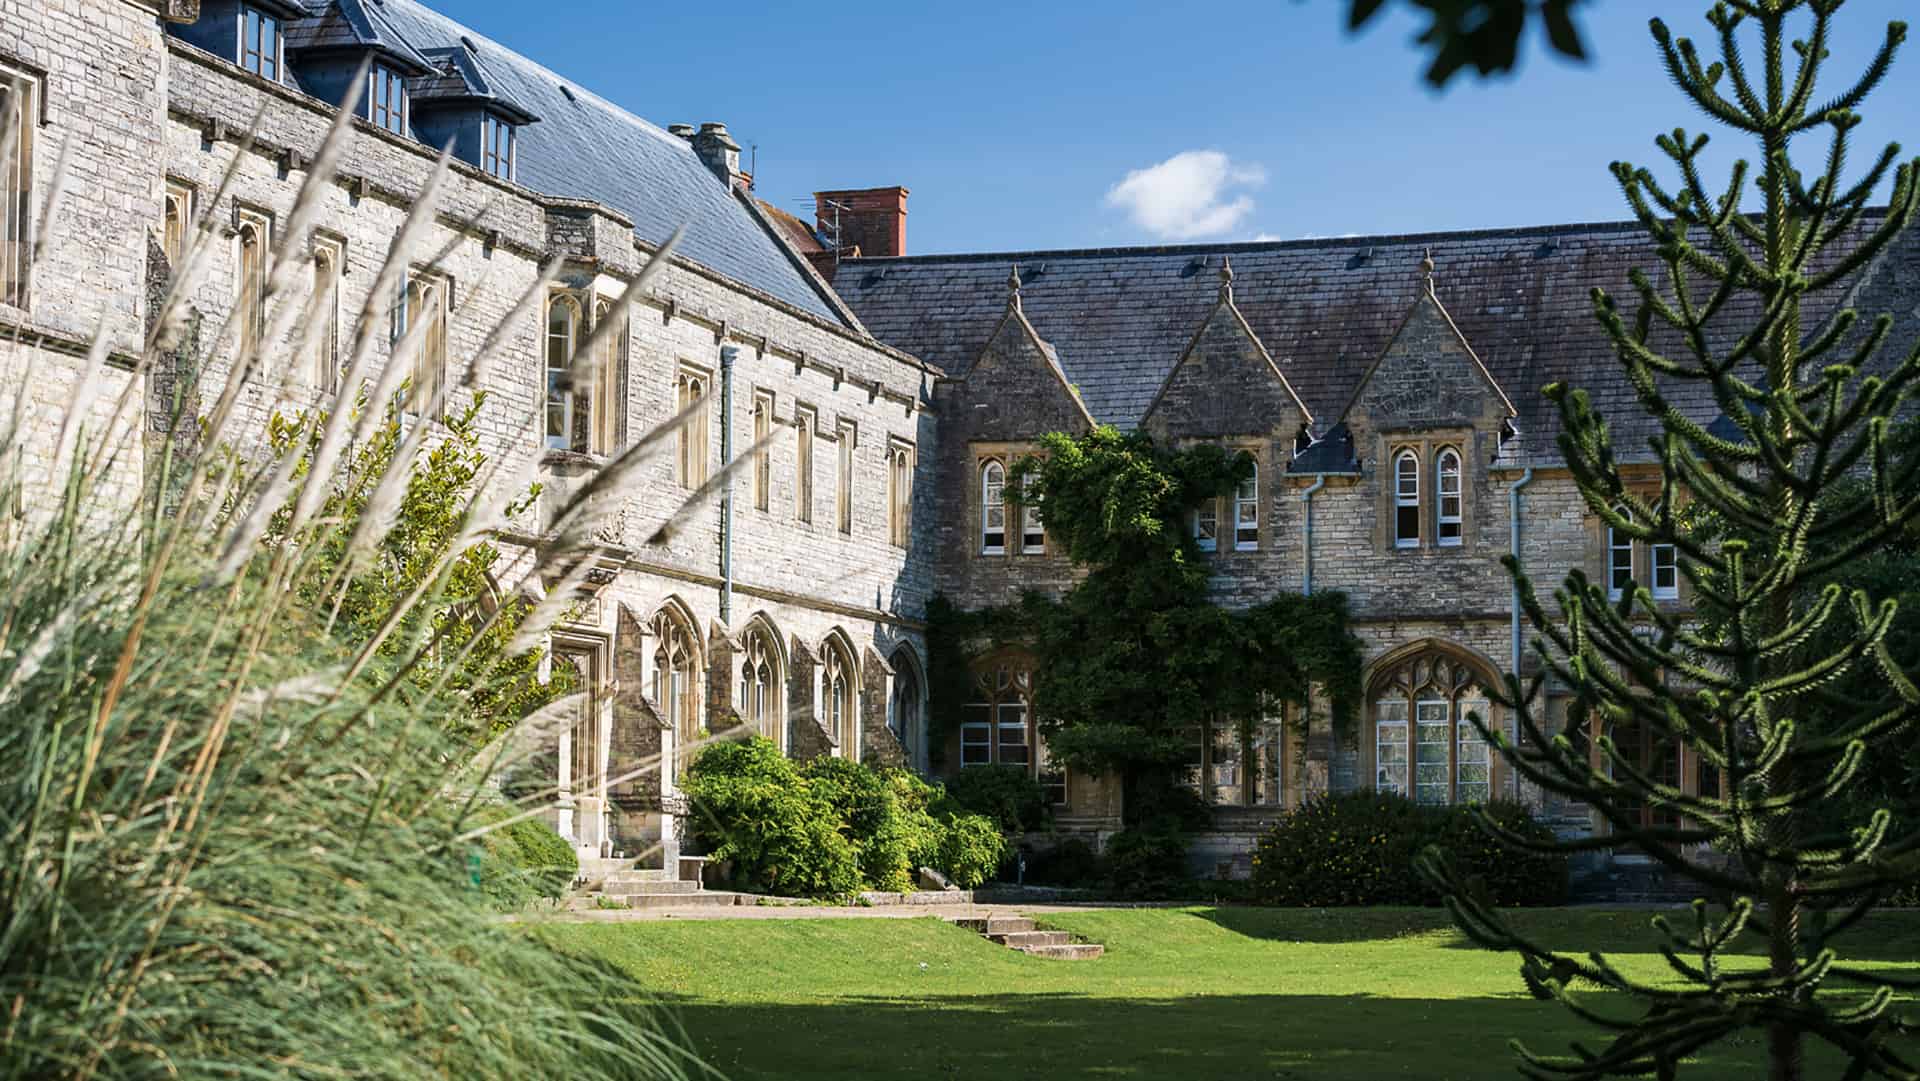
260	43
387	99
496	146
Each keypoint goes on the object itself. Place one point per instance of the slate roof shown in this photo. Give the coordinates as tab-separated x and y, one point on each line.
1325	309
584	147
458	76
351	24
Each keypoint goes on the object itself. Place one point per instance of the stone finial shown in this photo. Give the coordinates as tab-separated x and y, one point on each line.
1013	287
1226	277
1427	267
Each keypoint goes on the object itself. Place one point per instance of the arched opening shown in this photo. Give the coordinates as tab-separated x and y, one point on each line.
993	508
676	681
763	680
564	327
906	710
838	677
1422	743
1406	500
1448	516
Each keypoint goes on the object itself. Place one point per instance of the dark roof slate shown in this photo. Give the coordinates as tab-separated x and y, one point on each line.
458	76
584	147
352	24
1324	309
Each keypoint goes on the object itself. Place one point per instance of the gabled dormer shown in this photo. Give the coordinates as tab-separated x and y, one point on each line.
335	39
459	104
251	33
1016	389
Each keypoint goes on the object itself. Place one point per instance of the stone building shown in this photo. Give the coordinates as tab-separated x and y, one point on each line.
1388	388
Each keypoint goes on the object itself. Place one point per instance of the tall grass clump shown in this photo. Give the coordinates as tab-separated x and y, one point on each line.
242	836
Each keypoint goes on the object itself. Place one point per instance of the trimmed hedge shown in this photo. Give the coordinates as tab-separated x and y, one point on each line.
830	827
522	862
1359	849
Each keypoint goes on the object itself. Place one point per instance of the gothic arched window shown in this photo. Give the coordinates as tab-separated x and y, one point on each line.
564	328
762	680
676	683
1424	746
996	726
903	714
837	697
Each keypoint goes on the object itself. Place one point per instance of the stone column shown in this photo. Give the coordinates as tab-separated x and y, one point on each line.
806	737
636	760
879	747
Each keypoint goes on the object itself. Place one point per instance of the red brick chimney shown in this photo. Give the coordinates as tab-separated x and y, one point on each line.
869	221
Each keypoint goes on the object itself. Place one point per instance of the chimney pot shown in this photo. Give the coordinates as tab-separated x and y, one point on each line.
685	131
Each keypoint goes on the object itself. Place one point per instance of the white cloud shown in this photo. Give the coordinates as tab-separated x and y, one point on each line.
1195	193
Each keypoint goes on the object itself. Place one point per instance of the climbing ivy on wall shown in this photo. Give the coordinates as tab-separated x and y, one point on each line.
1136	655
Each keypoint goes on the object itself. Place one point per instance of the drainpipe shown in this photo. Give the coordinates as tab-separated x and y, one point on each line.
728	354
1513	526
1306	503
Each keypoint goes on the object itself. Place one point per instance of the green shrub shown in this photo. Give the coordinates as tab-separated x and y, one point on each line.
831	827
1014	801
1359	849
971	850
523	861
754	811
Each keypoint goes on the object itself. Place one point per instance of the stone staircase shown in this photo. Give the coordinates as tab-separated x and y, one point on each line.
622	885
1019	933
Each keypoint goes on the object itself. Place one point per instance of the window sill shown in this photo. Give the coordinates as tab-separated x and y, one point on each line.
550	458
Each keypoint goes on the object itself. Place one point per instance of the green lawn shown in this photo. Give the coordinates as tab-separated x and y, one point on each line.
1191	994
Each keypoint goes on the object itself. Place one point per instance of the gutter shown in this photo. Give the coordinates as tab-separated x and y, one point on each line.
729	354
1513	526
1306	503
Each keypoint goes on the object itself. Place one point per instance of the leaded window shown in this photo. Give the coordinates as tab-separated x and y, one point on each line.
250	298
763	458
426	309
837	678
1424	745
803	424
996	726
676	685
1205	521
762	681
843	492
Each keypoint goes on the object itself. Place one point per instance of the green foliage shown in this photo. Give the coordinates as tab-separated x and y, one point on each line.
831	827
971	850
1482	34
522	861
755	811
1007	795
1136	656
1072	862
1790	684
1147	861
1360	849
471	658
225	856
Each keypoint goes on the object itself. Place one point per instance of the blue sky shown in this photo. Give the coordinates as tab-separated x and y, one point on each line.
1075	124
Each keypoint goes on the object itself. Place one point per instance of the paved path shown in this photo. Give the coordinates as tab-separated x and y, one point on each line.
813	912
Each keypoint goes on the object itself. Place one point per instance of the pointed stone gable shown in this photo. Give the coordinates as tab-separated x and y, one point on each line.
1225	384
1428	377
1016	387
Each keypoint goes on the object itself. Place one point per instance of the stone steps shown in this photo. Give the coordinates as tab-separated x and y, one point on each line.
1019	933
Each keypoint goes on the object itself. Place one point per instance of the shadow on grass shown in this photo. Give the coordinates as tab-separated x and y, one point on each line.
1014	1037
1887	937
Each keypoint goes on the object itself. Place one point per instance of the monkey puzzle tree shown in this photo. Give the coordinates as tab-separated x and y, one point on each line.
1803	409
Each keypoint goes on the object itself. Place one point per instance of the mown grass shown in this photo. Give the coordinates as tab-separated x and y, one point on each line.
1194	994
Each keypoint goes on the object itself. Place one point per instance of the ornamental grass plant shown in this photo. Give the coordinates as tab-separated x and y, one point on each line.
239	840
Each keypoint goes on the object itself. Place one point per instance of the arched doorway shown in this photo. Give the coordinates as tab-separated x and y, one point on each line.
906	710
838	678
